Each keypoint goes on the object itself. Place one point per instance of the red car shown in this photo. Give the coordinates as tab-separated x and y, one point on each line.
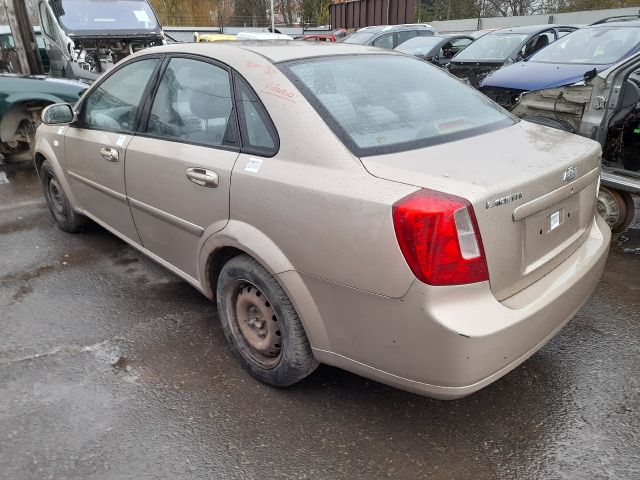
320	38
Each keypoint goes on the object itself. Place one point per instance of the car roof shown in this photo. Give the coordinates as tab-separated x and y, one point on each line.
529	28
621	23
273	50
391	28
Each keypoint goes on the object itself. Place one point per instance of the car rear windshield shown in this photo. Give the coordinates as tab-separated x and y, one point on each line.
492	47
381	104
418	45
359	38
92	15
591	46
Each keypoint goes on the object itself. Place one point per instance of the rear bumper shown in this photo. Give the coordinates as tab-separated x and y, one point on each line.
448	342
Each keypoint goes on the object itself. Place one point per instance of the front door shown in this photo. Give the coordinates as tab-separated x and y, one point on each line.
95	146
50	36
178	169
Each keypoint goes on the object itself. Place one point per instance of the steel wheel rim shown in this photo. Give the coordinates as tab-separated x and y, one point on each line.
607	208
55	198
254	324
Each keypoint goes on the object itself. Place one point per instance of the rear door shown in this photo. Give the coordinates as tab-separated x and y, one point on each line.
178	168
95	145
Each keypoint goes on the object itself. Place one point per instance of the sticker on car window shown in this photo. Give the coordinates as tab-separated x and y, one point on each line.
141	16
452	125
253	165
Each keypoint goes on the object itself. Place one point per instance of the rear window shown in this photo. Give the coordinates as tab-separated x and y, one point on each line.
359	38
382	104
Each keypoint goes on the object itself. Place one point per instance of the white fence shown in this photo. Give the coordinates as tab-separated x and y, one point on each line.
573	18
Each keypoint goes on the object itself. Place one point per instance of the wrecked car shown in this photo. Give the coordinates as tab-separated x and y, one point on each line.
22	98
503	47
584	85
85	38
437	49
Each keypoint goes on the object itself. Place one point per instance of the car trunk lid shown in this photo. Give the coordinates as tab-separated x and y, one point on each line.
532	188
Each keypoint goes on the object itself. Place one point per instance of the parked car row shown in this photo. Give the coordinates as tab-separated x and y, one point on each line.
586	83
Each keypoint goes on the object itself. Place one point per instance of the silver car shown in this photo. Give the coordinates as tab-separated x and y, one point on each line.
342	204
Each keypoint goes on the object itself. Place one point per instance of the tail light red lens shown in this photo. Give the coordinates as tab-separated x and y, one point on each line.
439	238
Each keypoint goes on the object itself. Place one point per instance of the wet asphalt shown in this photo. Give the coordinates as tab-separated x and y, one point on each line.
113	368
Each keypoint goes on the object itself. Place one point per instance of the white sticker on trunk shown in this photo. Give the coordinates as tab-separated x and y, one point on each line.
253	165
554	220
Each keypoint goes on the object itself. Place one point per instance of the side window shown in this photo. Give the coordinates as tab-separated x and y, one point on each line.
258	133
538	42
402	37
385	41
564	31
113	105
45	18
425	33
461	43
193	103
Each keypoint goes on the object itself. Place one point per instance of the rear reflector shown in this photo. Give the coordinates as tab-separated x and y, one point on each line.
439	238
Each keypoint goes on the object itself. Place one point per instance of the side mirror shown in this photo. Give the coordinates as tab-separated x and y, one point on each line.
58	114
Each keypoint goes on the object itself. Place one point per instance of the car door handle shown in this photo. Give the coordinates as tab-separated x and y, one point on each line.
203	177
109	154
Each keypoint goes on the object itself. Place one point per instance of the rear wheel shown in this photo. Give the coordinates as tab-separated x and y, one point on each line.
64	216
616	208
261	324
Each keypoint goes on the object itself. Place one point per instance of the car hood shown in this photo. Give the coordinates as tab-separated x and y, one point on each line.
537	76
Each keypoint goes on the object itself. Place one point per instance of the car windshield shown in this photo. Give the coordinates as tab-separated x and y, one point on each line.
599	46
418	45
92	15
388	103
359	38
492	47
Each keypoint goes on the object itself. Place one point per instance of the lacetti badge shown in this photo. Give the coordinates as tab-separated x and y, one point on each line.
504	200
570	174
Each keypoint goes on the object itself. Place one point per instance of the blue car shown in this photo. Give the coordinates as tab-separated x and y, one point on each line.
574	58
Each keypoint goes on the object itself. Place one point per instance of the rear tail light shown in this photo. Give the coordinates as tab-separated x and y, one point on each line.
439	238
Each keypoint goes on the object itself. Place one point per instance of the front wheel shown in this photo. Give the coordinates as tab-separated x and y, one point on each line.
261	324
64	216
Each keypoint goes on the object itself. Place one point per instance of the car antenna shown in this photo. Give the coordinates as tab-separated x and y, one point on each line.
590	75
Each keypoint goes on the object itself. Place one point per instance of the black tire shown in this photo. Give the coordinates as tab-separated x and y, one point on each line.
247	295
616	208
64	216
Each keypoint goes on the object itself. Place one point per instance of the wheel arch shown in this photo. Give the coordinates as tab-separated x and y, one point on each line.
16	112
44	152
239	238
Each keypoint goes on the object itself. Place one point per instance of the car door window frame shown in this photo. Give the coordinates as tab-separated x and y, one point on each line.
266	118
81	109
239	145
47	24
143	124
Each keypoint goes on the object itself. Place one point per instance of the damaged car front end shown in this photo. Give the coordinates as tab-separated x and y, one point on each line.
597	96
85	38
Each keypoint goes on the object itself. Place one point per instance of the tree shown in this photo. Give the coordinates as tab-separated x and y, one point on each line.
315	12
